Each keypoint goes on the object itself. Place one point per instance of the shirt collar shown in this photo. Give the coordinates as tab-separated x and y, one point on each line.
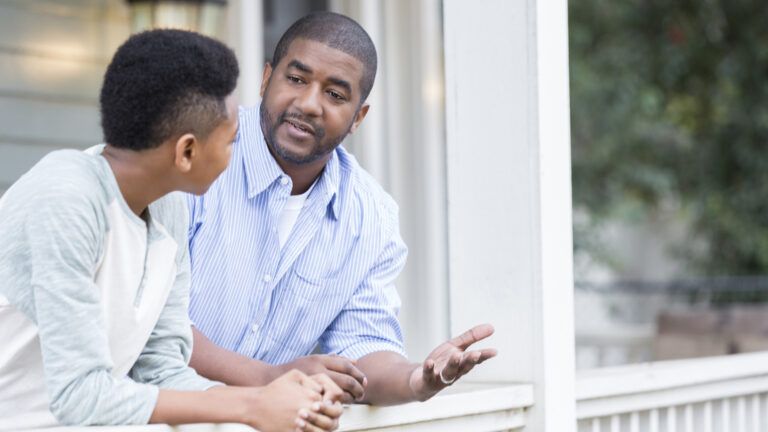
261	169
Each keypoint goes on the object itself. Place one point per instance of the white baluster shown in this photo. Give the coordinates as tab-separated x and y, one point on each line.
653	420
755	413
742	414
764	416
671	419
689	418
596	425
634	422
708	416
725	414
615	423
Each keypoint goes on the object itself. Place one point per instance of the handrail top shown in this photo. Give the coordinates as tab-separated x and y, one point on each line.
647	377
463	399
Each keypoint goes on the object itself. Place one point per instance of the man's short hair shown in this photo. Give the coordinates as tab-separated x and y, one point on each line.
338	32
165	83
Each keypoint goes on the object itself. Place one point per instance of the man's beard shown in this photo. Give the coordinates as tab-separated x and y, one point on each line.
320	148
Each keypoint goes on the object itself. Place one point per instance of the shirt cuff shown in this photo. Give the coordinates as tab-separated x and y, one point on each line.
362	349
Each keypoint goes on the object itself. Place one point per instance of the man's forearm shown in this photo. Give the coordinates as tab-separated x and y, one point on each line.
389	376
219	364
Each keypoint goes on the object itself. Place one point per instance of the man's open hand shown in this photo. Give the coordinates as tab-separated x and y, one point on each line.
450	361
341	370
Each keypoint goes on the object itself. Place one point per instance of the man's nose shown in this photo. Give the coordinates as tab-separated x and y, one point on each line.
309	101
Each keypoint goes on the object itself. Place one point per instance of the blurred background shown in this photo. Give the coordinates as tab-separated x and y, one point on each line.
53	54
669	123
669	114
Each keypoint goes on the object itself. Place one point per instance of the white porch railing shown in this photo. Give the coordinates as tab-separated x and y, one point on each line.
465	407
718	394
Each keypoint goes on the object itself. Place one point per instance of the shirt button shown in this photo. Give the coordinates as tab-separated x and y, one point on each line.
283	181
267	278
255	328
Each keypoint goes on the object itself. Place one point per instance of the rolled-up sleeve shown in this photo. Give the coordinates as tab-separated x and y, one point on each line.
368	322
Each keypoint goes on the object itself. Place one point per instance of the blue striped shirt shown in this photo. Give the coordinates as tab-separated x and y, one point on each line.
332	283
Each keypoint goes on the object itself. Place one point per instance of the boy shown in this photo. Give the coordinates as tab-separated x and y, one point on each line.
95	268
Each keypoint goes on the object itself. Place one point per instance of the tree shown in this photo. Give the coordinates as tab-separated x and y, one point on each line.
669	101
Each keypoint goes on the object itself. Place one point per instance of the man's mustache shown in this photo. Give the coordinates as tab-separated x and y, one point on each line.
319	131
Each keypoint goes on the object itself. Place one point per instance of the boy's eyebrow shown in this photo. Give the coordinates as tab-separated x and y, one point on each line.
334	80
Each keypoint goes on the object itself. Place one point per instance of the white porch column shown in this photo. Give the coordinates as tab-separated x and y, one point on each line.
509	194
246	37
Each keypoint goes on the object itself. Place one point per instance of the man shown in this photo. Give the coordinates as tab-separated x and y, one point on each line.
295	245
95	268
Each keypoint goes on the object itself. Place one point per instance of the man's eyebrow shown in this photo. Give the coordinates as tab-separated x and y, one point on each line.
341	83
300	66
334	80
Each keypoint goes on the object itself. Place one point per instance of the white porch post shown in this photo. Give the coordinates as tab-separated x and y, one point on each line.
509	194
246	36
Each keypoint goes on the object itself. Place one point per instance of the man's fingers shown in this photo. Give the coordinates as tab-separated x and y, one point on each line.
486	354
468	361
429	367
345	366
451	369
348	384
475	334
346	398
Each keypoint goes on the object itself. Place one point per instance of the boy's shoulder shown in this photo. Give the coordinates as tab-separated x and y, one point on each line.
62	177
172	213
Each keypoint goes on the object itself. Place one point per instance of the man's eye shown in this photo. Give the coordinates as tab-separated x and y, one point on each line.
294	79
336	95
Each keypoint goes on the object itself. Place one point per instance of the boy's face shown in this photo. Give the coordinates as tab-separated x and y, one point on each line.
216	150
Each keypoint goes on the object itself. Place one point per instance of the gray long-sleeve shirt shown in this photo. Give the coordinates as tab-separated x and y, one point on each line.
93	299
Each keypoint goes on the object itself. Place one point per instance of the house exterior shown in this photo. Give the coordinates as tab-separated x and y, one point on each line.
469	131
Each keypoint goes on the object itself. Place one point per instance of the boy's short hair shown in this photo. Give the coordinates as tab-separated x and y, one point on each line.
164	83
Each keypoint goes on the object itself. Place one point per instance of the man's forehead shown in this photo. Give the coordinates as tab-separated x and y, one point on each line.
316	54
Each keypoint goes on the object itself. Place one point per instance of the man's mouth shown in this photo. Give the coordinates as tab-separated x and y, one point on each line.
300	125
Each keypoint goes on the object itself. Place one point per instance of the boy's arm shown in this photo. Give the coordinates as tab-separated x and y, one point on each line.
164	361
64	237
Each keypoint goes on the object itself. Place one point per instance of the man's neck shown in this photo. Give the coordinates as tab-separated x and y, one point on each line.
302	175
136	176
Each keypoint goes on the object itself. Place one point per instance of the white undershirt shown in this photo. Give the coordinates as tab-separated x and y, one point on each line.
290	213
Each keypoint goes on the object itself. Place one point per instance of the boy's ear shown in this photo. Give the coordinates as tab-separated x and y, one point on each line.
185	151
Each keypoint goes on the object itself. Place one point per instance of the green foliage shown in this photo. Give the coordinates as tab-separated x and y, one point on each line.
669	101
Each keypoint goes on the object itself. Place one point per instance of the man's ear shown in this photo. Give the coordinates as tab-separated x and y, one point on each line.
265	75
359	117
187	148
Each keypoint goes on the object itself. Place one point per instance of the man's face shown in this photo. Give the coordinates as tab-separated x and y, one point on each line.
310	102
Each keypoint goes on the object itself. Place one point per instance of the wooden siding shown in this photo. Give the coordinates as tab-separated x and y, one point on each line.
52	59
